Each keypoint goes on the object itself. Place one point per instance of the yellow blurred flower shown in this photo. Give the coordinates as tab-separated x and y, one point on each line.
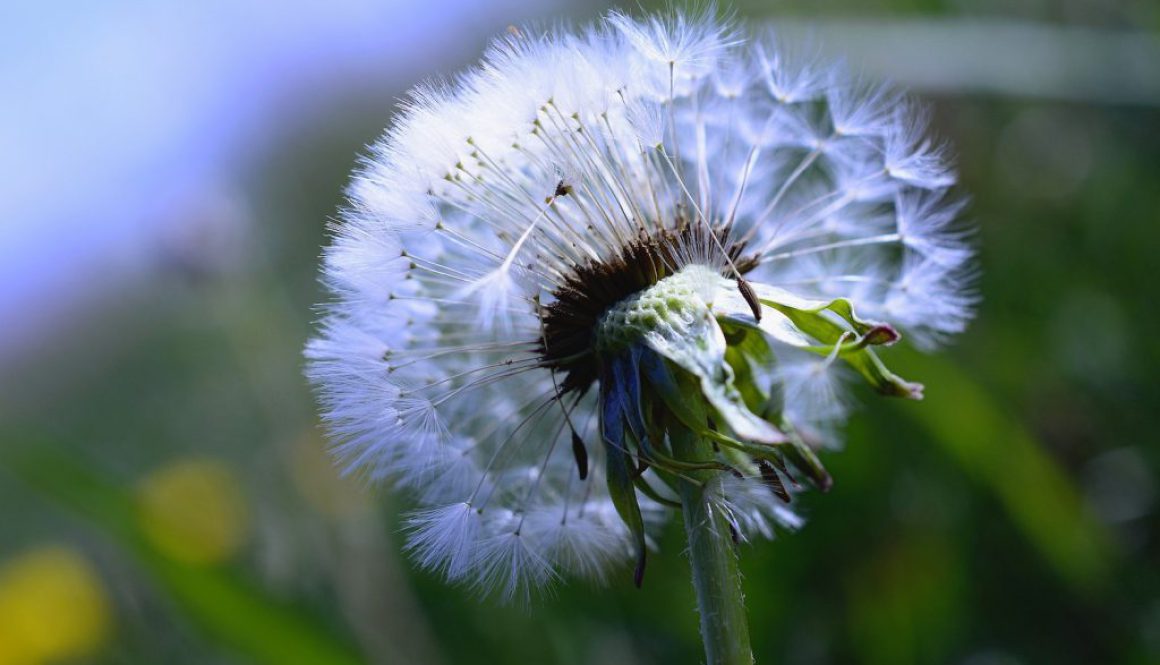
194	511
53	607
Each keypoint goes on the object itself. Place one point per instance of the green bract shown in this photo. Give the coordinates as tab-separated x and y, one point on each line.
687	356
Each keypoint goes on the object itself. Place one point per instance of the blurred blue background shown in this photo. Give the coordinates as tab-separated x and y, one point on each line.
166	171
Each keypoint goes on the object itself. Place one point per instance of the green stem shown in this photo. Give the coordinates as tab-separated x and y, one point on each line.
713	557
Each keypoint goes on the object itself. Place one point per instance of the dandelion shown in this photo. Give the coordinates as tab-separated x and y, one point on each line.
612	274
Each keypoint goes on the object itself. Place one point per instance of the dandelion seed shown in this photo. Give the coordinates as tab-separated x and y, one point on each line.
532	354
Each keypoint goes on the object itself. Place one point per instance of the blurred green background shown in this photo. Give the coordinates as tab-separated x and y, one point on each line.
165	495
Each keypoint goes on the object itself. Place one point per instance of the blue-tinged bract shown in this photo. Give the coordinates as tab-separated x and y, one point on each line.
591	228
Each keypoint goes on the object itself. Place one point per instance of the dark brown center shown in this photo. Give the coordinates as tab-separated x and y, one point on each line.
591	289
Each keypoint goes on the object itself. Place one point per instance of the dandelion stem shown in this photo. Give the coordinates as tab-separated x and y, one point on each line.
713	557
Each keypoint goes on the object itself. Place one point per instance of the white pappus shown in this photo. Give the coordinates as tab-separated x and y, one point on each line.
542	255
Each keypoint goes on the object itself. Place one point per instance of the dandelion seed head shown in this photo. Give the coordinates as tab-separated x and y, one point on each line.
593	231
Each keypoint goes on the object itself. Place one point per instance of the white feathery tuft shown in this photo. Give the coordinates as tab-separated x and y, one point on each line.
813	387
512	561
445	538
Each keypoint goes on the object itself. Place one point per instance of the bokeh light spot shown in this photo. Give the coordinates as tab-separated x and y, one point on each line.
53	607
193	510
